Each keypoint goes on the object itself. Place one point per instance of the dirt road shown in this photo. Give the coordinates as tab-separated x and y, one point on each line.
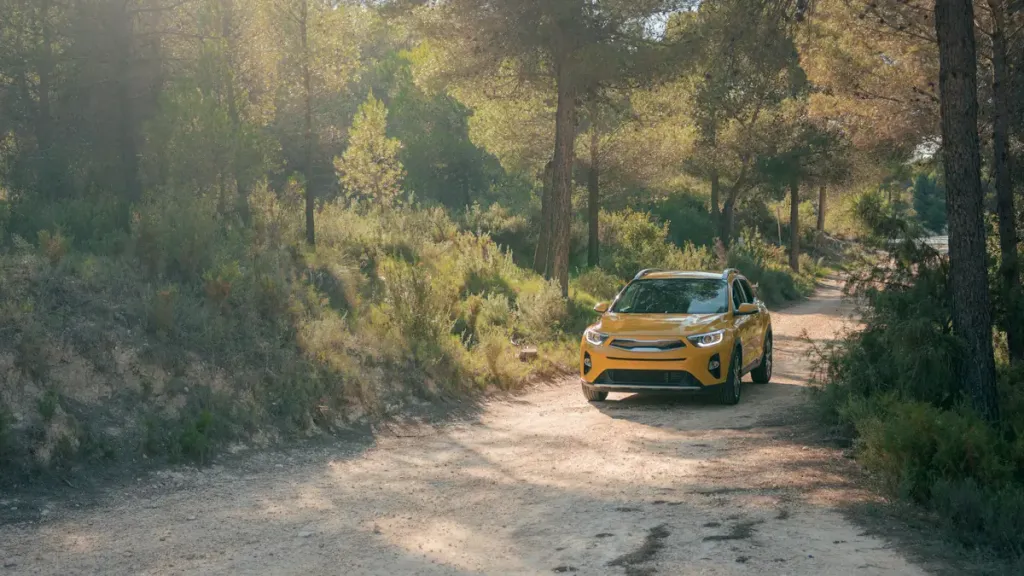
543	483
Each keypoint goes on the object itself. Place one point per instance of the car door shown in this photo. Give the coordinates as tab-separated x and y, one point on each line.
759	323
746	326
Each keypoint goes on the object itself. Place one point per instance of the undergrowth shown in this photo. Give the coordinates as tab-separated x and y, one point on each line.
893	388
194	331
201	333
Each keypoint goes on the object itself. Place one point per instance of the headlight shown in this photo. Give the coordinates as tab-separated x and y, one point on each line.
708	340
594	337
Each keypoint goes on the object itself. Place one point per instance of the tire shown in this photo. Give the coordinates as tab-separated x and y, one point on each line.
733	387
594	395
763	373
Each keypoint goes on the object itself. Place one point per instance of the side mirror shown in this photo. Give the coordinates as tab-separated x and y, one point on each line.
601	307
747	310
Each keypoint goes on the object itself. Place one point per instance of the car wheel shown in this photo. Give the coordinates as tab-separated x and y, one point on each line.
594	395
733	386
763	373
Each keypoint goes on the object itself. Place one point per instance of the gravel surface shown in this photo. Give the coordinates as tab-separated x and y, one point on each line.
543	483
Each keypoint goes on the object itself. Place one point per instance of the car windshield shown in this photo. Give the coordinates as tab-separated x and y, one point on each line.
674	296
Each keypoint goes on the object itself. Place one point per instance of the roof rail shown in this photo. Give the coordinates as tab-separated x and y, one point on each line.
643	273
727	271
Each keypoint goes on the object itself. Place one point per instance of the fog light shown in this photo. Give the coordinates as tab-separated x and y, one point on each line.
587	363
715	366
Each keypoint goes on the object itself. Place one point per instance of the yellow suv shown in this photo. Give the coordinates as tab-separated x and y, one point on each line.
678	332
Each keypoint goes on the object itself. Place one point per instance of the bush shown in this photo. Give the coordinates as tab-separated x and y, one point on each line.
689	220
765	265
599	284
893	386
510	231
543	313
250	334
177	236
631	241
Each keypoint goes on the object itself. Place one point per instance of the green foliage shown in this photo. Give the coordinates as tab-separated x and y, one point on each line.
764	265
509	230
893	386
884	219
689	221
930	202
163	193
177	235
543	313
599	284
370	169
631	241
253	333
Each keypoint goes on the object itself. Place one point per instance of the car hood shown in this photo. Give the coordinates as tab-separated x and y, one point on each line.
659	324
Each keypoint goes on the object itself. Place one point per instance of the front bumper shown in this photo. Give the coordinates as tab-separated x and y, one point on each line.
690	369
633	389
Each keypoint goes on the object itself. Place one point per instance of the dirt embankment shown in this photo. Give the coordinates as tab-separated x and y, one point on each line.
539	484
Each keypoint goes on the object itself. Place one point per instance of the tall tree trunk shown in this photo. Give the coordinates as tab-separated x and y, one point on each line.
236	188
822	199
594	199
716	186
307	86
1009	270
127	129
958	90
794	225
728	220
561	190
540	256
49	175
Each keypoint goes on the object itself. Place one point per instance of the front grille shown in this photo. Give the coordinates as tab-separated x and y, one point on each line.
648	378
648	345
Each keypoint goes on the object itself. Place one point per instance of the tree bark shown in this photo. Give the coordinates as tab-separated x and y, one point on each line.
127	129
594	199
237	189
540	256
1009	270
307	86
794	225
822	198
727	221
715	194
49	175
561	190
958	90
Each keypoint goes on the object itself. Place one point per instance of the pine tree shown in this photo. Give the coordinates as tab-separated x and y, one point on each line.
370	169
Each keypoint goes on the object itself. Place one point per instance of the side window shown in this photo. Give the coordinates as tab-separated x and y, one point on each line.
738	297
751	295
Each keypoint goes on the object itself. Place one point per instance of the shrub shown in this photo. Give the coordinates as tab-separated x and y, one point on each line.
893	386
177	235
542	313
506	229
631	241
53	245
765	265
599	283
252	333
689	220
